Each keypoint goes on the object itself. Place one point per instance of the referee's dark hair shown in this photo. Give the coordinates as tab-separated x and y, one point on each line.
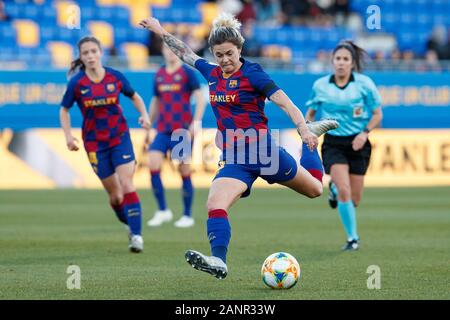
358	53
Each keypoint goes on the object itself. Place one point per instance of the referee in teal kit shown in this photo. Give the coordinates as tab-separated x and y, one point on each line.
353	100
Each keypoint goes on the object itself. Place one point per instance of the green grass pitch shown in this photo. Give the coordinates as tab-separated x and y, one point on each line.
403	231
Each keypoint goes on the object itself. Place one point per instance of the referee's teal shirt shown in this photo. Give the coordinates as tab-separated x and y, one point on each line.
351	106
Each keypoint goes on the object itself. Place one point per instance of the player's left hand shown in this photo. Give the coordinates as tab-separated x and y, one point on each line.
145	123
359	141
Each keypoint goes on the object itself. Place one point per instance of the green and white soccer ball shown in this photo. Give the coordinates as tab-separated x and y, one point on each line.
280	270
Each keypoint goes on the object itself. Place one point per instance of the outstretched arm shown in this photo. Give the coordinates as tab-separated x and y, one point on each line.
182	50
282	100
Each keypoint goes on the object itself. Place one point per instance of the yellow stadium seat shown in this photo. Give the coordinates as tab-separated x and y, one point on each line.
137	55
200	31
68	13
286	54
107	2
125	3
62	54
183	29
270	51
103	31
27	33
169	27
138	12
161	3
209	11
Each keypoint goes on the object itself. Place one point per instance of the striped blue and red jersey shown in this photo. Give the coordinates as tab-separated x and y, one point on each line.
103	120
174	92
238	100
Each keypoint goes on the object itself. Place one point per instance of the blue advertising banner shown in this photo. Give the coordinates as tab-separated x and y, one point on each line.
30	99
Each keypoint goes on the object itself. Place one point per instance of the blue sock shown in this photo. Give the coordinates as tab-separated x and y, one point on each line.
347	212
188	195
311	162
158	189
132	207
219	233
120	213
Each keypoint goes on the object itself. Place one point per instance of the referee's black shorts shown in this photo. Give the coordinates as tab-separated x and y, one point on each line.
338	150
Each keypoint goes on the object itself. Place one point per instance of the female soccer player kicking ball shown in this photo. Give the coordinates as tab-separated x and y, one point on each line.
238	89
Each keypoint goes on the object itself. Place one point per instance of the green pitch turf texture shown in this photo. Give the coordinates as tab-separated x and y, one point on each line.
404	231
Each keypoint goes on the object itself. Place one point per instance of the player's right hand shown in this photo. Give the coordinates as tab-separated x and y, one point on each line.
151	24
72	144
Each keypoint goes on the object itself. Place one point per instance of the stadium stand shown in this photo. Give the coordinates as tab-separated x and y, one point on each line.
33	24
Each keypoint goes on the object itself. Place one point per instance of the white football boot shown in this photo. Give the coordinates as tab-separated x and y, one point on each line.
136	243
322	126
160	217
184	222
210	264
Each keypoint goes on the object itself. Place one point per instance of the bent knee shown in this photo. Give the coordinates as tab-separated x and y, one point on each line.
127	186
315	192
116	198
214	203
211	204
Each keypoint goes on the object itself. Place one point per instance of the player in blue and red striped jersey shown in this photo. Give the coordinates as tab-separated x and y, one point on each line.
105	132
174	85
238	89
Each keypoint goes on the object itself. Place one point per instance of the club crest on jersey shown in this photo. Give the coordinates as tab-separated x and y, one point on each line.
110	87
177	77
232	83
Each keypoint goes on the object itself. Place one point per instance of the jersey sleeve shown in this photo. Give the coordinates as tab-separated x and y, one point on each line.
204	67
262	82
126	86
313	101
372	96
193	83
155	86
69	96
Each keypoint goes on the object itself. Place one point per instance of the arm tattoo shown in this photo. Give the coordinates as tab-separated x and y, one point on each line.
180	49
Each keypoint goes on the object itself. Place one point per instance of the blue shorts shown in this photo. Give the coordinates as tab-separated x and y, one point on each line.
106	161
284	170
181	147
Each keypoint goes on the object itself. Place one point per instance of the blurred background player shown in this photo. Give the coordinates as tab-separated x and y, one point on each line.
353	100
106	136
238	90
174	85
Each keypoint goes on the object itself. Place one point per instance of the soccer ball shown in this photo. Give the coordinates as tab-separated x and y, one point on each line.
280	270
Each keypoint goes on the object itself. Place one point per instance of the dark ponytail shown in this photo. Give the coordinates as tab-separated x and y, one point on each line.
77	64
358	53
